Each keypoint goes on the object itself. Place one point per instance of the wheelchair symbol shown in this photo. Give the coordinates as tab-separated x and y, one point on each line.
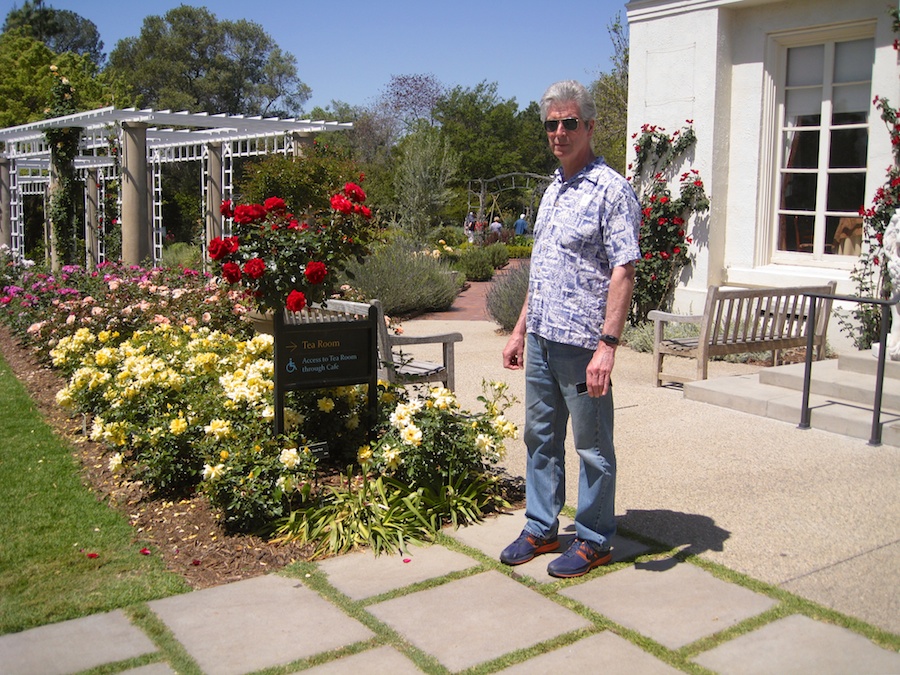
291	367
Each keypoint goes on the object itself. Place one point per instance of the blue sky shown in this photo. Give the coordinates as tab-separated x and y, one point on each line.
347	50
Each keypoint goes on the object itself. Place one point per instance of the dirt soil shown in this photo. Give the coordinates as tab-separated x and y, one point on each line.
186	533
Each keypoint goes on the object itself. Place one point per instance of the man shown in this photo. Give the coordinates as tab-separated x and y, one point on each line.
521	225
582	278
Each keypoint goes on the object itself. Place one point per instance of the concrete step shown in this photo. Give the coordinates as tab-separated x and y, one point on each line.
866	362
828	413
836	379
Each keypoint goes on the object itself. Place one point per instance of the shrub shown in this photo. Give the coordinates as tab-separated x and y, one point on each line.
665	244
181	254
519	250
475	263
451	235
499	255
406	281
507	295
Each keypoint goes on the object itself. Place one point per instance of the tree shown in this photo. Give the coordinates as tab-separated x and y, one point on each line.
427	167
610	92
62	30
25	78
411	98
492	138
189	60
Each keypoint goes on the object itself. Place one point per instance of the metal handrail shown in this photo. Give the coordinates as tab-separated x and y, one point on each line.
886	304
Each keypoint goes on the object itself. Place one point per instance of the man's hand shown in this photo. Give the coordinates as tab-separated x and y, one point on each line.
514	352
599	370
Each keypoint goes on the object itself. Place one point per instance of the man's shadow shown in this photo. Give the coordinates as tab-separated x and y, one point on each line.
691	533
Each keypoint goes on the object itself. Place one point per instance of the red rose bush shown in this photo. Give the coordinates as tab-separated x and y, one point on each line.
289	261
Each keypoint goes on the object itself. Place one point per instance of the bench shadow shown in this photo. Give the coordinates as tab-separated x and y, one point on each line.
691	533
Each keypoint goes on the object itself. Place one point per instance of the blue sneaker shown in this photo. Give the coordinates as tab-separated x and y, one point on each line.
526	547
580	558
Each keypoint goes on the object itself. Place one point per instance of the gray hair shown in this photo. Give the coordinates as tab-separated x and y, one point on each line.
569	90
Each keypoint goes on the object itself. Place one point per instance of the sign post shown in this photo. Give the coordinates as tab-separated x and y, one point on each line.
332	353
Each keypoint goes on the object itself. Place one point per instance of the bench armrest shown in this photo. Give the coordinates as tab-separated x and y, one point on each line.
397	340
657	315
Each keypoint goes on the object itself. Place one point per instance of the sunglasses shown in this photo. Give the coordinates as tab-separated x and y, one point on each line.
569	124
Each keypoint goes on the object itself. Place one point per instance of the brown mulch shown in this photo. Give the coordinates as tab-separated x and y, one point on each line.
186	533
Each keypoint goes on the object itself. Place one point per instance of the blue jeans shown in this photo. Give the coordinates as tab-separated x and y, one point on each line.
551	372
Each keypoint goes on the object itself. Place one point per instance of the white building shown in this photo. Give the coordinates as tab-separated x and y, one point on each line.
789	143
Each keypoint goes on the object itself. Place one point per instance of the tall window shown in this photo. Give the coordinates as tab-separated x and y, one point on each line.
824	143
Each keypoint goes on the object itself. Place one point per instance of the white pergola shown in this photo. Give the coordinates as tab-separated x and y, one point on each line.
132	145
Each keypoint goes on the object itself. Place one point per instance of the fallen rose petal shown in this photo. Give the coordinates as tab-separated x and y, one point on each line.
406	560
145	551
195	562
92	555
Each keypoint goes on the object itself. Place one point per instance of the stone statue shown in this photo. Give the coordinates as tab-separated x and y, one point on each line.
891	245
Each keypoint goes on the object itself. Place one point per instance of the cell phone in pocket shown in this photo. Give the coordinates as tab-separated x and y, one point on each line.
581	388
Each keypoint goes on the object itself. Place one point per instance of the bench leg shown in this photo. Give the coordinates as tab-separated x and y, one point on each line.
657	367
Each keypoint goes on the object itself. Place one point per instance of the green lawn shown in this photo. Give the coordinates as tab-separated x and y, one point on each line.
50	523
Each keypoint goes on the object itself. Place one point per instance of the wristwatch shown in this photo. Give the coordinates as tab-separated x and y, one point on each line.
611	340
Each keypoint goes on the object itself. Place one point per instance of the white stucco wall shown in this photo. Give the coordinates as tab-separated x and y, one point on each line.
715	61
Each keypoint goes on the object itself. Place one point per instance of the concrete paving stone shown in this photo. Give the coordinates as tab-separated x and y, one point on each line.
256	623
476	619
151	669
363	574
858	586
605	652
798	644
673	603
72	646
379	661
494	534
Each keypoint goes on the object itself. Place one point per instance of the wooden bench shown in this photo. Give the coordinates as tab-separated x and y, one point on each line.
395	365
741	320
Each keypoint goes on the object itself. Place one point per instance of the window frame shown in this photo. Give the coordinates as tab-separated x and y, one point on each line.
773	137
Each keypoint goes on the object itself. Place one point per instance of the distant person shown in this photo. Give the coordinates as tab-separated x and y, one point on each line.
579	293
469	227
496	225
521	225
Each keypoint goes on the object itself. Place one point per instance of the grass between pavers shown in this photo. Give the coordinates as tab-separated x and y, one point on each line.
51	523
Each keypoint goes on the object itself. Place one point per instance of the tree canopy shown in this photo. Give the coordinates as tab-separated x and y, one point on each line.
62	30
190	60
26	80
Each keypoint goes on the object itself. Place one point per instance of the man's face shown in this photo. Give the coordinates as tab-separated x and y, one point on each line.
566	144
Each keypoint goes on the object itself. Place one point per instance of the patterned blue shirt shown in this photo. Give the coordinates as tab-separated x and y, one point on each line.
585	226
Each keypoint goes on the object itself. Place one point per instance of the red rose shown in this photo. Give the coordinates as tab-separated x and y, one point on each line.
315	272
254	268
366	212
232	272
217	249
341	204
664	255
275	204
226	209
293	225
231	244
354	193
296	301
244	214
